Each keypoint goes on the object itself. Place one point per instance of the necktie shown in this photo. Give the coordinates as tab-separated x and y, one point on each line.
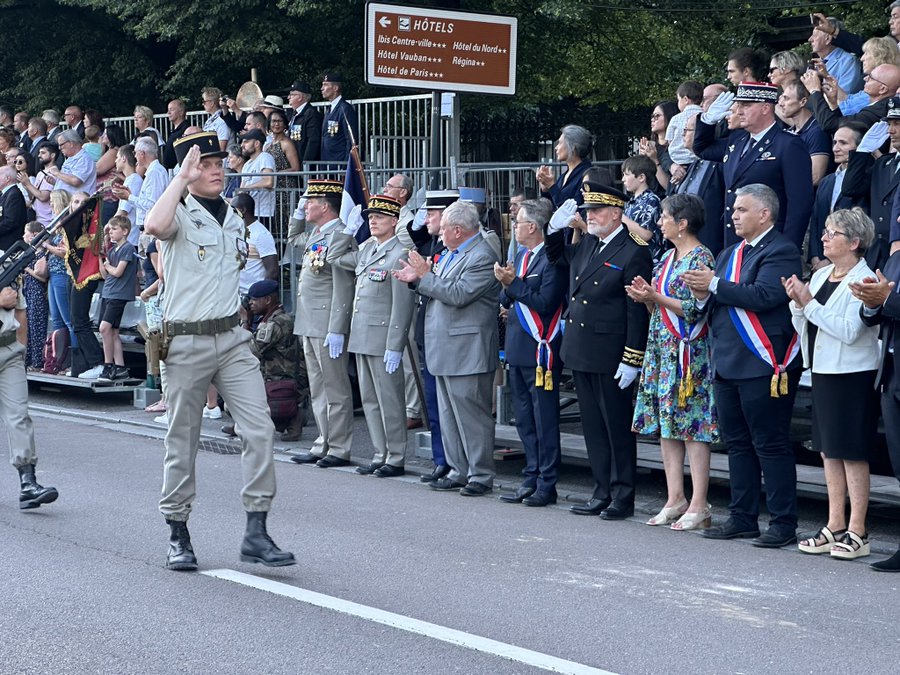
749	146
525	263
600	244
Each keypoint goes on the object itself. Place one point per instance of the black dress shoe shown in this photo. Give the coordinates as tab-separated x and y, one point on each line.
330	462
445	484
517	496
390	471
439	472
892	564
730	530
305	458
775	539
369	469
475	489
591	508
617	511
544	498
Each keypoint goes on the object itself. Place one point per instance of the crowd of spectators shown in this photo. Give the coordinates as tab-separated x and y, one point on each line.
684	296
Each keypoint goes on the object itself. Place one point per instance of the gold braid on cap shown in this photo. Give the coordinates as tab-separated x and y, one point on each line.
602	199
315	190
384	205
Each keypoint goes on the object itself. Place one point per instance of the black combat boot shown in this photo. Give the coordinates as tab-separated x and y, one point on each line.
258	546
181	554
33	494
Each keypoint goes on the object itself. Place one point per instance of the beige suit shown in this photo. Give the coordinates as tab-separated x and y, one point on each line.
382	310
324	300
14	391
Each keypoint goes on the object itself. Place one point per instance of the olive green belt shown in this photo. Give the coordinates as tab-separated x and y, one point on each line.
207	327
7	339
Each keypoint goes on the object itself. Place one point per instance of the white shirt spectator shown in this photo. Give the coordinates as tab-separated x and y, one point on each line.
261	244
156	180
84	167
265	199
217	124
675	135
133	183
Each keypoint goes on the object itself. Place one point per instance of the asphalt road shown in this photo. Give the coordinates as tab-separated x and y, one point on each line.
86	590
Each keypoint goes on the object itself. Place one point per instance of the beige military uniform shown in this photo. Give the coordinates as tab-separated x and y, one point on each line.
382	308
323	306
200	309
14	390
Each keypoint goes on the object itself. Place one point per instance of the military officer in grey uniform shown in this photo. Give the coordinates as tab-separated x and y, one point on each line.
382	313
324	301
14	403
204	244
461	342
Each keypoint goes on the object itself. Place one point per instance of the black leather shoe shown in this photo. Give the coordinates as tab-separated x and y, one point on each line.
258	546
390	471
330	462
517	496
775	539
305	458
892	564
475	489
544	498
617	511
730	530
180	557
439	472
33	494
369	469
591	508
445	484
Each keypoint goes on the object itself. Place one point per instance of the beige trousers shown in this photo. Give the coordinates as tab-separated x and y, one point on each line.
331	399
14	405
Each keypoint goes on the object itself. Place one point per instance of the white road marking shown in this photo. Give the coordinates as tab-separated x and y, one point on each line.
432	630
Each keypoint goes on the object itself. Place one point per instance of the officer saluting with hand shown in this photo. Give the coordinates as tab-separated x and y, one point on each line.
204	245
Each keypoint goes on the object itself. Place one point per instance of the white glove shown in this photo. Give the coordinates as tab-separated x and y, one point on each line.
391	360
335	344
626	375
874	138
718	109
419	221
354	221
300	211
563	216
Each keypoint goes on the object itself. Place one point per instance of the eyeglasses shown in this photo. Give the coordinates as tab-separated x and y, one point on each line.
687	129
868	76
655	116
19	161
773	69
831	234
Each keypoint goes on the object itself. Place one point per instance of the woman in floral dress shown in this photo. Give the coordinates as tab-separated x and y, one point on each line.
675	396
35	289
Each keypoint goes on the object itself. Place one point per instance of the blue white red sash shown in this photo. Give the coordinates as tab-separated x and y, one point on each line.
754	336
531	323
680	329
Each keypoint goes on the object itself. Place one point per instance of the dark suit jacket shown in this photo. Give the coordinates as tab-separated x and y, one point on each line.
876	180
305	129
336	141
568	188
780	160
24	142
428	247
36	148
822	209
169	160
544	290
601	321
888	317
704	179
13	217
759	291
830	119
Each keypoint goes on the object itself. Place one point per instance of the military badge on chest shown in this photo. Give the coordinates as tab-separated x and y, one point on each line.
296	132
377	275
333	127
316	256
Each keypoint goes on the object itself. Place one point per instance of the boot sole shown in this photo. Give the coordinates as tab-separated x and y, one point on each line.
48	498
182	567
254	559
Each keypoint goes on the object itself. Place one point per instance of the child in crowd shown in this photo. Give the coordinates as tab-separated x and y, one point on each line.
119	271
642	211
35	289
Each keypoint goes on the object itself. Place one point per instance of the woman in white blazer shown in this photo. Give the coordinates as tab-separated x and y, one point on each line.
843	354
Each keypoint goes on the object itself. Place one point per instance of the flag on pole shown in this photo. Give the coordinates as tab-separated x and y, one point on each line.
83	231
354	196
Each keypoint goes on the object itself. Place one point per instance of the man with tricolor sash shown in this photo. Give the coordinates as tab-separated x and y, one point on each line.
534	292
754	350
605	339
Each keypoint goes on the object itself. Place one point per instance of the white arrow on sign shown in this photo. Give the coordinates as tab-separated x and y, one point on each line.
384	21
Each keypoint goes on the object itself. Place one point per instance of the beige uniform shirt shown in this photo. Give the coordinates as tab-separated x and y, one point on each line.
203	261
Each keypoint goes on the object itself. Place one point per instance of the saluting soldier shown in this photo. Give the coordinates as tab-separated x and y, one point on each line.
605	339
379	329
204	244
14	403
324	298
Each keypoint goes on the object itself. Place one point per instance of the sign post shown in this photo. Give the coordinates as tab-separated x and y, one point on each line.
440	50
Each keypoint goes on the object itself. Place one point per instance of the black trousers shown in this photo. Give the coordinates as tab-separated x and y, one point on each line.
890	412
537	421
88	353
756	428
606	413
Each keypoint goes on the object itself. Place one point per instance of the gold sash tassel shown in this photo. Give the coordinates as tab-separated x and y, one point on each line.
783	384
773	386
539	376
548	380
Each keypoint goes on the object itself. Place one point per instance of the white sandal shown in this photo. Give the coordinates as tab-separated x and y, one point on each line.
669	514
851	546
809	544
694	521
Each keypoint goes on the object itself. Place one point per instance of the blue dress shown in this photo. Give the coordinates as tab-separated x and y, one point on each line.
36	297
